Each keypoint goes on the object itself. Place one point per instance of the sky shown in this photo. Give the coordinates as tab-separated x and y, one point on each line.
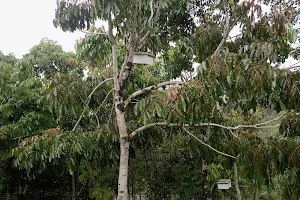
25	22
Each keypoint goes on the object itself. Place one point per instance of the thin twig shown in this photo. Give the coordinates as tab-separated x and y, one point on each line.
111	113
97	110
294	67
97	119
225	35
91	33
88	102
224	154
272	120
232	133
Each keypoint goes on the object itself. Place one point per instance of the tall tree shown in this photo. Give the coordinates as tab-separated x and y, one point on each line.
152	25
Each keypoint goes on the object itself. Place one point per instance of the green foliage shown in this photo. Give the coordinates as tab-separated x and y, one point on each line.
178	58
290	125
48	58
9	59
99	193
165	162
64	148
206	41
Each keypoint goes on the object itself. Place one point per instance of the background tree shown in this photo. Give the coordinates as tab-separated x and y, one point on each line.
48	58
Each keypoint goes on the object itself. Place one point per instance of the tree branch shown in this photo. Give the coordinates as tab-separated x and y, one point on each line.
225	35
103	101
293	67
132	135
111	37
88	99
272	120
126	68
149	89
257	126
91	33
127	56
224	154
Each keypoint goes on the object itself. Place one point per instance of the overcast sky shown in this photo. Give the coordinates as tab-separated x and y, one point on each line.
25	22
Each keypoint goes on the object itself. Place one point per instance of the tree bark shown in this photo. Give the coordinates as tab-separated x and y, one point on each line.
206	189
8	192
121	123
73	188
124	142
255	192
236	182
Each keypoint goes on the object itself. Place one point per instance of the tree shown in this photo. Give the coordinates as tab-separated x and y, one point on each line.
9	59
48	58
151	25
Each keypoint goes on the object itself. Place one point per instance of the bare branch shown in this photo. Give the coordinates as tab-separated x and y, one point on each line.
97	110
152	12
224	154
111	113
232	133
126	68
143	40
293	67
272	120
111	37
97	119
132	135
230	128
91	33
225	35
88	99
149	89
99	85
230	38
127	56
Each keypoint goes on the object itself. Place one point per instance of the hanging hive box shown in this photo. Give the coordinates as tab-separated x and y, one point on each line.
224	184
143	58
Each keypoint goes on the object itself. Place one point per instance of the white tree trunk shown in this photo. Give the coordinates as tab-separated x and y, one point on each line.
124	157
122	128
